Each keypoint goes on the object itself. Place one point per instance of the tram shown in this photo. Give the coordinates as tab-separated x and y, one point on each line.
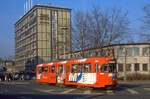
90	72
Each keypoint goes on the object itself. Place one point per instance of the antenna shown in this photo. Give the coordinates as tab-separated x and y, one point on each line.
26	6
31	3
24	9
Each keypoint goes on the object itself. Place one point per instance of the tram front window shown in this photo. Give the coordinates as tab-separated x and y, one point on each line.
45	69
111	68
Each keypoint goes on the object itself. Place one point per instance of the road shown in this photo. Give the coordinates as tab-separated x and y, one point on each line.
32	90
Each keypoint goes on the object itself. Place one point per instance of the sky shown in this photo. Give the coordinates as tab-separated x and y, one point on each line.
12	10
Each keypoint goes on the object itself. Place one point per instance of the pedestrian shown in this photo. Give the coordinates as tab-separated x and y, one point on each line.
9	77
6	77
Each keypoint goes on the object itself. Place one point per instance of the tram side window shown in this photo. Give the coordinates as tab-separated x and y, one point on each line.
60	69
87	68
80	68
45	69
39	69
104	68
96	68
74	69
52	69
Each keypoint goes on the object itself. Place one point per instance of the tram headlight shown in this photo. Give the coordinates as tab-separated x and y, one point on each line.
112	76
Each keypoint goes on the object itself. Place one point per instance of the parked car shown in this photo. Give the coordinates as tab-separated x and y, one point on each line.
24	76
16	76
2	73
29	75
2	76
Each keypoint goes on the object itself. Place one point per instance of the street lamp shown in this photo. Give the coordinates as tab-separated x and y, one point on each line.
125	56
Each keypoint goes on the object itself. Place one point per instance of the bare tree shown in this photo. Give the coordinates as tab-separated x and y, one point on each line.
109	27
80	31
146	23
99	28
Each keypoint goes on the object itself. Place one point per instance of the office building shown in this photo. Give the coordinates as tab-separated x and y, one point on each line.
41	36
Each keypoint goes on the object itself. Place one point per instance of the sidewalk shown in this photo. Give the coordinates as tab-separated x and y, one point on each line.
15	82
135	82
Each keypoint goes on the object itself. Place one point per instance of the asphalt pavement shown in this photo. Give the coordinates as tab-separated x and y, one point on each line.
33	90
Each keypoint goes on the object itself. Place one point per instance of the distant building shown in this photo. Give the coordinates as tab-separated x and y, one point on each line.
130	58
8	64
41	36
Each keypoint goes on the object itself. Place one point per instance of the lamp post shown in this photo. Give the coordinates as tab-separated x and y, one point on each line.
125	60
149	59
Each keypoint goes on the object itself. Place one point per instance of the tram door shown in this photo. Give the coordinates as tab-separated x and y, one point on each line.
39	72
61	74
52	74
45	73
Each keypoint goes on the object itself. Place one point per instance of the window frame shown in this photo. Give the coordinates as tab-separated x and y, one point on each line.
135	67
120	69
143	69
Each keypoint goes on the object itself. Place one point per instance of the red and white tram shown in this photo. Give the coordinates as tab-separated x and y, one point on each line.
92	72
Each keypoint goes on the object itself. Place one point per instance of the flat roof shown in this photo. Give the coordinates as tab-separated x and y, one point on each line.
43	6
111	46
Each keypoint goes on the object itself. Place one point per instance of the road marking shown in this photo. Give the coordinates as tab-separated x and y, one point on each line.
14	83
132	91
43	90
26	93
67	91
109	92
87	92
147	89
90	96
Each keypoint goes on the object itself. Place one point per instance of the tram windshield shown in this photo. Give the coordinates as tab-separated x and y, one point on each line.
111	68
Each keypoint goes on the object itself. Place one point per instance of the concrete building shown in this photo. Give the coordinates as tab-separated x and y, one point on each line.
133	58
130	58
41	36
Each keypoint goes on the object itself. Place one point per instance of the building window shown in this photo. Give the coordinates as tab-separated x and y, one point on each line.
145	51
145	67
136	67
136	51
128	52
120	67
120	51
128	67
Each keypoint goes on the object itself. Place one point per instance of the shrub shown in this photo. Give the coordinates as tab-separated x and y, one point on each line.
136	76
